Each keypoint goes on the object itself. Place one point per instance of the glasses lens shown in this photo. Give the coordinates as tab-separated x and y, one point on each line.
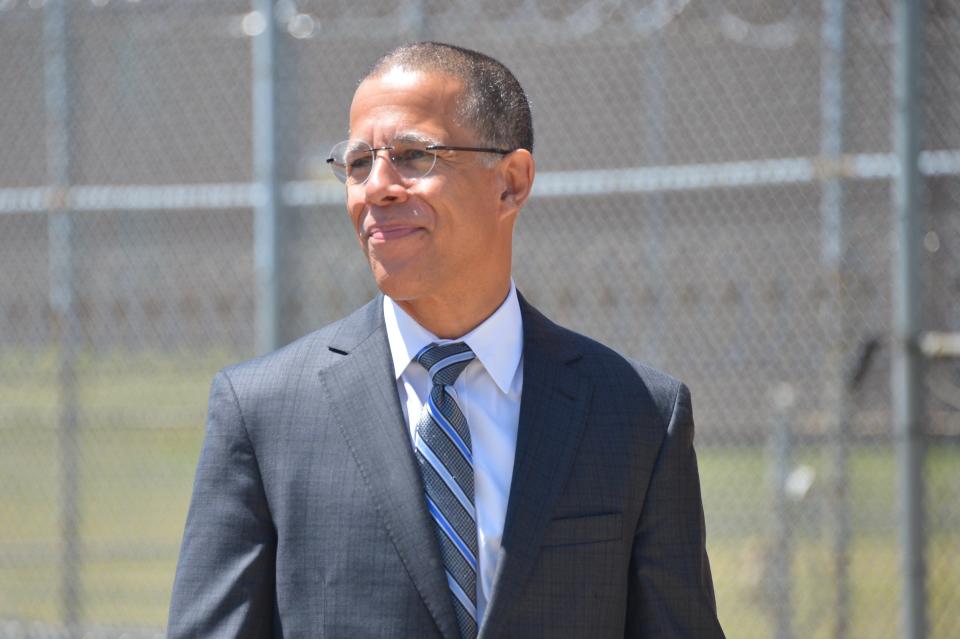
351	160
412	161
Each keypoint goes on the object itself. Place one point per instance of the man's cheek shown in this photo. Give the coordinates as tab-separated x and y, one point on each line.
356	219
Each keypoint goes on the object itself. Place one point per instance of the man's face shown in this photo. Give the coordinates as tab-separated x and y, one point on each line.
437	235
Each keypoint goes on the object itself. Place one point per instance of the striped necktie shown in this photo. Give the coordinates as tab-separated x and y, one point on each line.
445	458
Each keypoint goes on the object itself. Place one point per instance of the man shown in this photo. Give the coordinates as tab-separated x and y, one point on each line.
445	462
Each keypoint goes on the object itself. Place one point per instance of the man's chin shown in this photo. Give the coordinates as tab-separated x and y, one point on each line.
397	283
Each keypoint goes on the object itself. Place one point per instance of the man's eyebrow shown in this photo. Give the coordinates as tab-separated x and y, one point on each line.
412	136
353	145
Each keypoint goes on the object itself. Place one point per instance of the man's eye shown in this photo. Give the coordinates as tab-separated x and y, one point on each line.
358	162
411	155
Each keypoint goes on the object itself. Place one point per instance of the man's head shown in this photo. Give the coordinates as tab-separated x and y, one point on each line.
493	103
443	240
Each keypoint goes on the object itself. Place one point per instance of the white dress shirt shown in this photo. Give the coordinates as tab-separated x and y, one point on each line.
488	393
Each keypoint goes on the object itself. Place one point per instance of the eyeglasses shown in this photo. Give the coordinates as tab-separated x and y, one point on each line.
352	160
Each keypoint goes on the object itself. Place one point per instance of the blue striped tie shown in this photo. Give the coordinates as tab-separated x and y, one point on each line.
446	462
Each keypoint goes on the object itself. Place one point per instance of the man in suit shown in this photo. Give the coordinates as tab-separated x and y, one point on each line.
446	461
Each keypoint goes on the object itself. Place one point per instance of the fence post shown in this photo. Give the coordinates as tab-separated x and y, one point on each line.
906	365
266	221
838	401
62	303
781	445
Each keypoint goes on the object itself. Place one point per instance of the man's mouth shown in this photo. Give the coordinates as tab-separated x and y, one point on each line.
387	233
395	224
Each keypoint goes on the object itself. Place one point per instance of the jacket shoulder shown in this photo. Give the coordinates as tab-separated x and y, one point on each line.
611	371
604	362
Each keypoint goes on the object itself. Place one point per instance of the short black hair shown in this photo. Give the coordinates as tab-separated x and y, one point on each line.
493	102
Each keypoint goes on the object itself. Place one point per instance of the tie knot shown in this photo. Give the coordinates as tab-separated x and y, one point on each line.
445	363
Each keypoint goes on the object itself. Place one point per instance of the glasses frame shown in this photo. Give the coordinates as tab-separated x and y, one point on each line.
374	150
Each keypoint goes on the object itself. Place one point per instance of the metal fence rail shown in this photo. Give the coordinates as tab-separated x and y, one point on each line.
758	173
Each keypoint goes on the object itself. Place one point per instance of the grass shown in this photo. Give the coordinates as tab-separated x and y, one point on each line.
141	428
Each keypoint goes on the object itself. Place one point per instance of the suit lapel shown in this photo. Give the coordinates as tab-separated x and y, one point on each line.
553	410
362	392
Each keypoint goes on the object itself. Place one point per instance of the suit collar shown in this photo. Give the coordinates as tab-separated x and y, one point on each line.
553	413
358	326
363	397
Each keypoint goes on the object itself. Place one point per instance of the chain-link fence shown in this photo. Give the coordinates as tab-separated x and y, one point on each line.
714	197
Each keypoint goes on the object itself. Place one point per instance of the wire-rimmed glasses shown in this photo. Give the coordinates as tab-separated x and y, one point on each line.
352	160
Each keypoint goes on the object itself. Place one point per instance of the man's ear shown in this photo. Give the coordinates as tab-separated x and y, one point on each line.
517	173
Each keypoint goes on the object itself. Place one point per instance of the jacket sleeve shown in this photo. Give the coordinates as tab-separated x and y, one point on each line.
224	585
670	586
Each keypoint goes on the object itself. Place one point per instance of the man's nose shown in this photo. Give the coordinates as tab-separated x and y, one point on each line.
384	183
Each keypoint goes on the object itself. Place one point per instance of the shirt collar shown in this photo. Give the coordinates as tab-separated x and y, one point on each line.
497	342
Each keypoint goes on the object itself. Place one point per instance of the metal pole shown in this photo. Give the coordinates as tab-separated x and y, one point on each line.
655	75
266	220
831	121
60	239
781	453
833	250
906	365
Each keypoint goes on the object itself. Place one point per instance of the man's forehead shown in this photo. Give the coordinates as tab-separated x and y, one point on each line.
405	105
393	128
435	89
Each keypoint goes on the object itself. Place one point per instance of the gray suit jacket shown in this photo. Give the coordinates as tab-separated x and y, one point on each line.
308	519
